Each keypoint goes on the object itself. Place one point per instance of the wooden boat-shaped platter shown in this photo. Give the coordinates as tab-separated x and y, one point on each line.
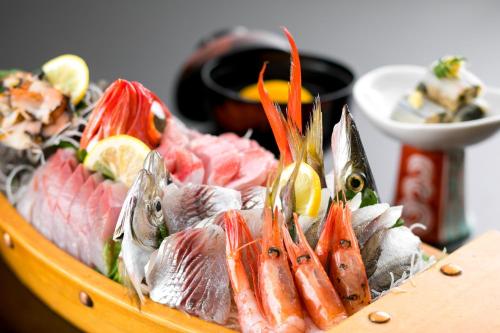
93	303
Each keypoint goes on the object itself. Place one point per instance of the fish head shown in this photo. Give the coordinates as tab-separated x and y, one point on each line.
155	164
351	169
142	212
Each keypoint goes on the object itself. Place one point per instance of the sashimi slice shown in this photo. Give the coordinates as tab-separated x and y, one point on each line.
103	220
78	219
220	159
256	164
189	272
183	165
57	222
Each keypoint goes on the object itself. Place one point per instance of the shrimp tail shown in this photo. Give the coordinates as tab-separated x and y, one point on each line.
294	107
275	118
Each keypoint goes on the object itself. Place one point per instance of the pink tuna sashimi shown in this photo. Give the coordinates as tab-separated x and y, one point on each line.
254	169
220	159
183	165
79	228
176	134
240	143
103	220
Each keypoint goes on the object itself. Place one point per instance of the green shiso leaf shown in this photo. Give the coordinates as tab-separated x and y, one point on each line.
111	252
81	154
399	223
369	197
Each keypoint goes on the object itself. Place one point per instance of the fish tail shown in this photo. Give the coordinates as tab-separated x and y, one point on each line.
314	141
275	118
134	294
294	107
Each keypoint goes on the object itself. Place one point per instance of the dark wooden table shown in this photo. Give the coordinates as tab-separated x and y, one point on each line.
21	311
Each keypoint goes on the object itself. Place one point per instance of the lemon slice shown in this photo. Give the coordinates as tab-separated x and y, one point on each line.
119	157
307	188
69	74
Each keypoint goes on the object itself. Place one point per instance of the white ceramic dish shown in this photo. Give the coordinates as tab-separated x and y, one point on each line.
378	91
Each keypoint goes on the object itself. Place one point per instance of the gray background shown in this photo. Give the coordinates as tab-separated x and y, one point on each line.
148	41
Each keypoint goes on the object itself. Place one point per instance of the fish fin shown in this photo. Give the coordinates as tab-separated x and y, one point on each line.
314	141
275	118
272	185
287	195
294	108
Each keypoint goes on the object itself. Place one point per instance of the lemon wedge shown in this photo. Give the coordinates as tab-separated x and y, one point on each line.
69	74
307	188
119	157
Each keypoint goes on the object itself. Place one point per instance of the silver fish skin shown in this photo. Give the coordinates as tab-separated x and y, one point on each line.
185	206
189	272
351	169
140	221
390	251
253	197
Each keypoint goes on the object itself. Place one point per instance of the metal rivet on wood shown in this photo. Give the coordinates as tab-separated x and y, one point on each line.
8	240
451	269
85	299
379	317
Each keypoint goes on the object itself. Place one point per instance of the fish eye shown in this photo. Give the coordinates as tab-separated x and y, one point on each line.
355	182
158	205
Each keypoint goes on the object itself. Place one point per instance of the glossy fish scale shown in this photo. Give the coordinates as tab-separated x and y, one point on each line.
188	272
390	251
186	205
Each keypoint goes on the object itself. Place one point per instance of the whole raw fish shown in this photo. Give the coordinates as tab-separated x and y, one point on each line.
386	246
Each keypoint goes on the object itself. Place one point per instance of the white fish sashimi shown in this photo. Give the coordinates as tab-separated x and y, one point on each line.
367	214
189	272
389	251
386	220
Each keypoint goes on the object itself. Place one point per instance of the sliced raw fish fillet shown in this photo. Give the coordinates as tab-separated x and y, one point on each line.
189	272
186	205
27	201
80	229
386	220
103	208
255	166
183	165
220	159
66	196
367	214
389	251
